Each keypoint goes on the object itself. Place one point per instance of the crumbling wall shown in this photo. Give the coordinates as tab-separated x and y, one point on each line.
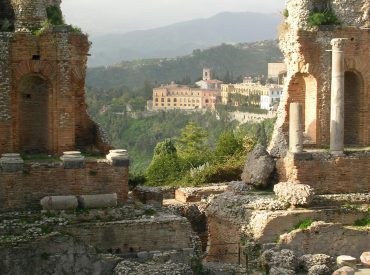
133	236
25	189
55	254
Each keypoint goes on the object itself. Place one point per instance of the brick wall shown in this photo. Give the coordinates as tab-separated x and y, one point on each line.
328	174
57	60
24	189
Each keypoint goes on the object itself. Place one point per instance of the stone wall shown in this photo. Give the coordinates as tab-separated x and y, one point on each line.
327	174
45	255
132	236
24	189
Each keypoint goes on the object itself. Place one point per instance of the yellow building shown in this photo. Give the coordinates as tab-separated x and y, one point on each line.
171	97
254	91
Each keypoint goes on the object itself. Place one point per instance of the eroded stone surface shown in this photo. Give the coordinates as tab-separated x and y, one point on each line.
258	168
294	193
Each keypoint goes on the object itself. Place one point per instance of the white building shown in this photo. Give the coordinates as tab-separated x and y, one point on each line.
271	97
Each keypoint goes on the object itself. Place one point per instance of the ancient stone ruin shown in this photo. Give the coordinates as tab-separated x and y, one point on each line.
43	111
42	71
328	77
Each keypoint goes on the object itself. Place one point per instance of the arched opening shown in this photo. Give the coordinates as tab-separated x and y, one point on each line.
7	16
353	89
303	89
33	100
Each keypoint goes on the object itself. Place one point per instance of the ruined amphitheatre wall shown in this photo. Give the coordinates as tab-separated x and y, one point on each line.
57	58
309	70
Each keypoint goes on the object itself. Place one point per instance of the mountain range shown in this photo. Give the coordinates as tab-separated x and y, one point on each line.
182	38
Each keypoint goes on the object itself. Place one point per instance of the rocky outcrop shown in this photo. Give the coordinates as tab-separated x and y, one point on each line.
258	168
294	193
327	238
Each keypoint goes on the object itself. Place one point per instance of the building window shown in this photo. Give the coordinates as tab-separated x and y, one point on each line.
156	100
175	100
207	101
168	99
162	99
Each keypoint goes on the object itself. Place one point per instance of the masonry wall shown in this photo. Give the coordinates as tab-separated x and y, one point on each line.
58	60
171	233
24	189
306	53
328	174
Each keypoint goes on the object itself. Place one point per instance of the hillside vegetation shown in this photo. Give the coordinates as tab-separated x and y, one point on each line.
237	60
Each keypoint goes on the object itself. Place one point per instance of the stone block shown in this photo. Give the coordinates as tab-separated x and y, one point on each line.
11	162
118	157
149	195
345	270
195	194
365	259
59	203
98	201
294	193
345	260
73	160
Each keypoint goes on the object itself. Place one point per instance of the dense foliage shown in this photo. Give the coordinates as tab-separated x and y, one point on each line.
54	15
325	17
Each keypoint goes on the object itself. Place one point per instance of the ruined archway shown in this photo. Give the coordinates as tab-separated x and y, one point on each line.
353	94
33	111
303	89
6	16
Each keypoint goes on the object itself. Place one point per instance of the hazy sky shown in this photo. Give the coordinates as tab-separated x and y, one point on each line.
108	16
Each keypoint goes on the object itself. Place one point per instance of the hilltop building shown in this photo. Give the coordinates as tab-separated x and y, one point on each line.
178	97
208	83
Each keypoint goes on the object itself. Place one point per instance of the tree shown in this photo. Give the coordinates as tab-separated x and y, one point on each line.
192	146
165	167
227	145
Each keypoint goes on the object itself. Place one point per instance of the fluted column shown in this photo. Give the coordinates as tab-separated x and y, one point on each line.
337	97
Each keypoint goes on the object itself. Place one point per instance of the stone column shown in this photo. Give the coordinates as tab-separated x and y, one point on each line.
337	97
295	128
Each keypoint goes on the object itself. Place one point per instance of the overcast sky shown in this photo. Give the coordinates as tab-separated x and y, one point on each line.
112	16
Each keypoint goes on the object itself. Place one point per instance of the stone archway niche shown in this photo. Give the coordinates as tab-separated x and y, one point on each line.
33	103
303	89
353	90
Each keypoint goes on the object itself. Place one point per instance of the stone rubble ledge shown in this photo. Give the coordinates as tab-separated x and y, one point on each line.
195	194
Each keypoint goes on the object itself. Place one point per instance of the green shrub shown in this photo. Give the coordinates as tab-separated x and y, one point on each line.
286	13
363	222
55	15
165	166
303	224
217	173
326	17
136	179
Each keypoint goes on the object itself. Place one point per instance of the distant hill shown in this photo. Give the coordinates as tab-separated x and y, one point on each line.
236	60
182	38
